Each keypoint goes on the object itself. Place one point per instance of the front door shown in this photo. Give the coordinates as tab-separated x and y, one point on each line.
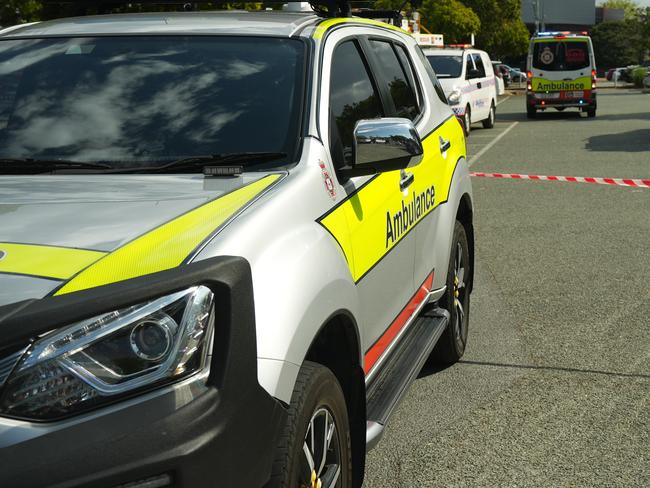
372	223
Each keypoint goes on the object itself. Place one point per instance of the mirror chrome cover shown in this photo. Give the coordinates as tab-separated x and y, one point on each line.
385	144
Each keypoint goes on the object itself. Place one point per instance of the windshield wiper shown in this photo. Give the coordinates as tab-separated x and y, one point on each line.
200	162
34	166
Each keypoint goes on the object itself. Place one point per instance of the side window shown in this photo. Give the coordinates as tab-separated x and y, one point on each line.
401	91
479	65
352	97
469	66
407	64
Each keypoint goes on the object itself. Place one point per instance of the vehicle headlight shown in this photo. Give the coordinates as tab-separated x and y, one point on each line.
98	360
454	96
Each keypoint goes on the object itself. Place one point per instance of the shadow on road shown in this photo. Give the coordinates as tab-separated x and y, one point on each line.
632	141
429	369
556	368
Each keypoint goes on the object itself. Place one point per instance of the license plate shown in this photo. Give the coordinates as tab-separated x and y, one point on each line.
547	96
575	94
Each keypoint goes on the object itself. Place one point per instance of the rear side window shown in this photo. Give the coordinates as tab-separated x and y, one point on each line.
353	97
478	62
401	91
561	55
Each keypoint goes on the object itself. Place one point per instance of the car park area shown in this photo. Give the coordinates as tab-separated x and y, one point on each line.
239	249
554	389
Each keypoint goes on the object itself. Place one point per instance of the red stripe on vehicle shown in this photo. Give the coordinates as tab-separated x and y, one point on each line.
374	353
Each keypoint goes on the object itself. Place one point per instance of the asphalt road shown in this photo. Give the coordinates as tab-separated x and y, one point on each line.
554	388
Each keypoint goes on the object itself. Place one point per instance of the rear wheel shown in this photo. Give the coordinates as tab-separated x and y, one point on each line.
315	447
467	121
591	113
489	122
531	113
451	346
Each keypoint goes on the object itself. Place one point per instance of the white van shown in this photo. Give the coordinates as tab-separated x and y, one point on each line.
467	77
561	73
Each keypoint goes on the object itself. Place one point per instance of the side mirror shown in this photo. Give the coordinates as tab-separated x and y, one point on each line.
384	145
473	73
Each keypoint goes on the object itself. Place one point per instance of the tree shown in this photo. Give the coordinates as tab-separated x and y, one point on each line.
451	18
18	11
502	32
617	43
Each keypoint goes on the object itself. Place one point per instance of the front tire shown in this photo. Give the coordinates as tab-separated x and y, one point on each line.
451	346
489	122
315	443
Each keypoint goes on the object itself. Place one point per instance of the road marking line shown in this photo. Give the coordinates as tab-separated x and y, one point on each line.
636	183
487	148
503	100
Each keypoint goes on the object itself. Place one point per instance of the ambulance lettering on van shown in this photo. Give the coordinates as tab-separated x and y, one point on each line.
561	73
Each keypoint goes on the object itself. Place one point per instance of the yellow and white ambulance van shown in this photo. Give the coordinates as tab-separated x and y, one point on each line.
561	73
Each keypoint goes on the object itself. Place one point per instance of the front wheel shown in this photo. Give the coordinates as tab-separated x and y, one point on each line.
489	122
315	447
451	346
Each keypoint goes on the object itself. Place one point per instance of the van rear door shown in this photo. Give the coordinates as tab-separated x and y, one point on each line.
562	66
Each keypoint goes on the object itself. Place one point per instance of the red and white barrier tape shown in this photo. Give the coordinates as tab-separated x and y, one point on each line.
572	179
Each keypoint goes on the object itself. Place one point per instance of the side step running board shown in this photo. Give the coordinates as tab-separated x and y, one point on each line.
387	388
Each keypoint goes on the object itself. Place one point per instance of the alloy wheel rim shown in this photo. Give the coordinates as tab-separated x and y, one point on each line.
467	122
321	459
460	293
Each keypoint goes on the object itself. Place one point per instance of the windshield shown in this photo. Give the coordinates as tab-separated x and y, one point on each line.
446	66
142	101
561	55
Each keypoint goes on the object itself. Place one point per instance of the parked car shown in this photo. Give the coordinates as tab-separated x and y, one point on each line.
517	76
229	243
469	83
505	72
501	86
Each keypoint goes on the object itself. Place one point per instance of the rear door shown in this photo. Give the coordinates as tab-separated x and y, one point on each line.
481	95
561	67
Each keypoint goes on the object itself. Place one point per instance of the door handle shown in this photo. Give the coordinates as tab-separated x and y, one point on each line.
478	84
444	145
405	180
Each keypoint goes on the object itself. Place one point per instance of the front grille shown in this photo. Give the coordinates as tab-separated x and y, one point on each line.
8	363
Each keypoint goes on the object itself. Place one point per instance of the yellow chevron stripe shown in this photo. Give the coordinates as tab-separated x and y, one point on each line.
373	221
170	244
59	263
328	24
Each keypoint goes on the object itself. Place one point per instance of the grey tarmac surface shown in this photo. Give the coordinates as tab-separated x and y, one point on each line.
554	388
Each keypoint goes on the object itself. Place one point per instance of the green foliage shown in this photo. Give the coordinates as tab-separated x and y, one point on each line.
618	43
451	18
638	74
502	32
18	11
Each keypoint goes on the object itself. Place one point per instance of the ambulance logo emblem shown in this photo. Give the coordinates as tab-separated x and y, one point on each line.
327	180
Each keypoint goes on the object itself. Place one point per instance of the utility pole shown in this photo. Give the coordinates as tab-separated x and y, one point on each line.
535	5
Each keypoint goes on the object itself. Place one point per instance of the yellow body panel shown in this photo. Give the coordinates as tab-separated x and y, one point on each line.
168	245
54	262
544	85
372	221
328	24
